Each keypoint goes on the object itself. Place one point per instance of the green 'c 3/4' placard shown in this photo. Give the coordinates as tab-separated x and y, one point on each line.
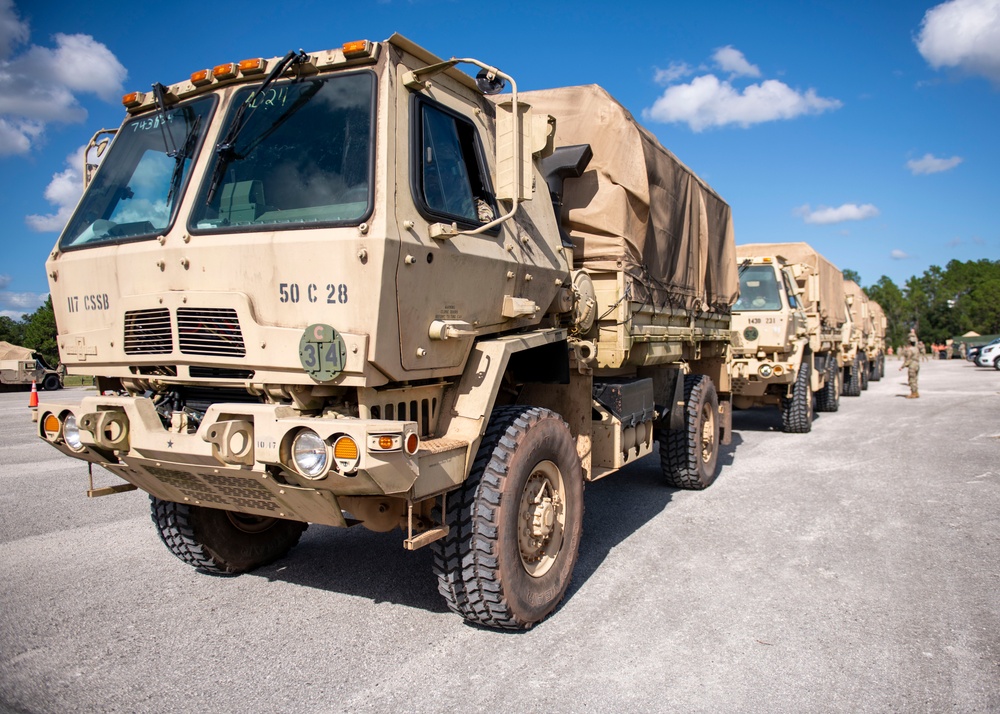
322	352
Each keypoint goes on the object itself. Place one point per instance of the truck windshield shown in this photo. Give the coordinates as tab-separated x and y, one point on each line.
136	191
758	289
304	156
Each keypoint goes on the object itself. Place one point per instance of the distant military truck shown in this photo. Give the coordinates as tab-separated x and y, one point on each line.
875	347
788	324
19	367
354	287
856	343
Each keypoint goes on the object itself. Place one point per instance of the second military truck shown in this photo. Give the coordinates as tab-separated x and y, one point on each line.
788	324
354	287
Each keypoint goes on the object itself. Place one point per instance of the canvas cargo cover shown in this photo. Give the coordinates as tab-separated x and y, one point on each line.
832	308
852	288
878	318
637	208
13	353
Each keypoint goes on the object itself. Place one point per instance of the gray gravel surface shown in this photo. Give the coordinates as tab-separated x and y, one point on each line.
856	568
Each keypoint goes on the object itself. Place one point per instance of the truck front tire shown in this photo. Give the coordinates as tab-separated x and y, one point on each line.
515	524
689	457
222	542
796	410
852	385
828	398
51	383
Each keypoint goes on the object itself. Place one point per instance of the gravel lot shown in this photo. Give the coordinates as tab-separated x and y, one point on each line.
856	568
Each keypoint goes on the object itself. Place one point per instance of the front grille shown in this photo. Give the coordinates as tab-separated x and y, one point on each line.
219	373
210	331
147	332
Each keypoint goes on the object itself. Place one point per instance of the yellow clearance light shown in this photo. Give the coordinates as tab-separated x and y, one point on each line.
252	66
767	260
412	442
51	425
225	71
385	442
201	77
357	48
133	99
345	448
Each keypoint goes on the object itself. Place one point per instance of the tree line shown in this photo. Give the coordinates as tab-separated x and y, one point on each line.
939	305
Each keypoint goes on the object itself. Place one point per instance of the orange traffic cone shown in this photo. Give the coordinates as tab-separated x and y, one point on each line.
33	399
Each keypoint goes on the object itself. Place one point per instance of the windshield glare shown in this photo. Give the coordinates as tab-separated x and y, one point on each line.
136	191
758	289
304	155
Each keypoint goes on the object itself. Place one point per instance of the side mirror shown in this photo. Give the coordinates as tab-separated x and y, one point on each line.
812	289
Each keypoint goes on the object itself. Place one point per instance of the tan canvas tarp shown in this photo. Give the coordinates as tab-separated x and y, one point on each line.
9	352
831	308
853	289
878	318
637	208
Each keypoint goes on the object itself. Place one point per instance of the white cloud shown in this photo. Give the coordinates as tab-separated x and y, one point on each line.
730	59
14	305
63	192
963	34
847	212
954	242
675	71
40	85
707	101
5	281
930	164
13	30
897	254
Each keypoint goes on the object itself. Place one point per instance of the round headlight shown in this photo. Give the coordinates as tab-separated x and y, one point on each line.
71	433
765	371
310	455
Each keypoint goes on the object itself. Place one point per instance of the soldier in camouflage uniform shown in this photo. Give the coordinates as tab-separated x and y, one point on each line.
911	360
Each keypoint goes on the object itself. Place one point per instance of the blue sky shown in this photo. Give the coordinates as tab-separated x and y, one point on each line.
866	129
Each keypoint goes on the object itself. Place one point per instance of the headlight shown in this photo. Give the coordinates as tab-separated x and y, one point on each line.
310	455
71	433
764	371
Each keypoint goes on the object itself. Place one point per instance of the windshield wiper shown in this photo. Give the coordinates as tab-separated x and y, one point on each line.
180	158
226	149
169	145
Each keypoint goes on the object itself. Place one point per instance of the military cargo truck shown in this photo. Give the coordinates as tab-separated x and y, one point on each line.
19	367
875	347
354	287
855	343
788	324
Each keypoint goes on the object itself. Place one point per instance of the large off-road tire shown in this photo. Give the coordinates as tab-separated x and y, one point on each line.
852	385
515	524
51	383
797	410
828	398
689	457
875	373
864	371
224	542
881	366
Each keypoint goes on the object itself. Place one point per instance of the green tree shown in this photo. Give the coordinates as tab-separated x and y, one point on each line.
11	331
850	274
897	312
40	332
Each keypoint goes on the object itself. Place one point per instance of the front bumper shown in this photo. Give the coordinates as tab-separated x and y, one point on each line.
753	377
239	458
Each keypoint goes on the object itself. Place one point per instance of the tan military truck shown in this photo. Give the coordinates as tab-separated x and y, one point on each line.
19	367
788	324
856	340
875	347
352	287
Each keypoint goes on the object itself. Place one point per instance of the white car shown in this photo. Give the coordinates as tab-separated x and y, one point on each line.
989	356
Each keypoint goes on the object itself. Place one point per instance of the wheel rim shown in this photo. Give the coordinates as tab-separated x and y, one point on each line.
707	433
248	523
541	518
